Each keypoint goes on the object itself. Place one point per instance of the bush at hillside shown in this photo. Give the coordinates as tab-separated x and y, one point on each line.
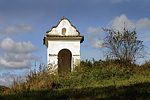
88	74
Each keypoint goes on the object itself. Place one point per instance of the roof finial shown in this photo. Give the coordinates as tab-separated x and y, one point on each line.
63	17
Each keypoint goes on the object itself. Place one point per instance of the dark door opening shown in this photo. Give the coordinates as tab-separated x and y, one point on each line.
64	61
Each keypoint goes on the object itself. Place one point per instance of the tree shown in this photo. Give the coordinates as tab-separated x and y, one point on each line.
123	45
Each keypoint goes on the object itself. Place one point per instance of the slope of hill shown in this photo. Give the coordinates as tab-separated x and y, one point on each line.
102	80
3	88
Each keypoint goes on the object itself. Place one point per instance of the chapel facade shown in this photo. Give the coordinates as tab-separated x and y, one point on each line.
63	46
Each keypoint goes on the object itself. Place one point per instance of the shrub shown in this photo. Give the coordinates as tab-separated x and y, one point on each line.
90	73
35	80
87	76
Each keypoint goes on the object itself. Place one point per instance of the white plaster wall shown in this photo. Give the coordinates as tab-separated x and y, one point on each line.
54	46
70	31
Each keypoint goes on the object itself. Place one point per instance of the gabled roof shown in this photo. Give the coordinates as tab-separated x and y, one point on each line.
59	23
61	37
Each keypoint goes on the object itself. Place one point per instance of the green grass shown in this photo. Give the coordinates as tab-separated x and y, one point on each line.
140	91
104	81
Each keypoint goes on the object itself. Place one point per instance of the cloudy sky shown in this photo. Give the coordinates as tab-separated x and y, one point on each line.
23	24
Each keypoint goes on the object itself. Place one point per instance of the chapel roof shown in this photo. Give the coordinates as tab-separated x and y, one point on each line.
54	34
63	18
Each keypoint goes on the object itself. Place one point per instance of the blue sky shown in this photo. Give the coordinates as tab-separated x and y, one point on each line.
23	24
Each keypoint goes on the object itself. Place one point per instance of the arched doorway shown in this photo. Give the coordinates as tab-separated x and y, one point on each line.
64	61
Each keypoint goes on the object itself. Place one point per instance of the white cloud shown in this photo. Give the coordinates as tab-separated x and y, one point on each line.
142	26
143	23
13	64
94	30
18	57
15	29
98	44
16	54
10	45
122	21
94	34
119	23
7	78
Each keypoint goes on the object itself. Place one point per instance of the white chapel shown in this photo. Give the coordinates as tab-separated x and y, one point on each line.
63	46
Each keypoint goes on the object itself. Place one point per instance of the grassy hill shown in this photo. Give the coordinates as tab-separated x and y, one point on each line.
104	80
3	88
